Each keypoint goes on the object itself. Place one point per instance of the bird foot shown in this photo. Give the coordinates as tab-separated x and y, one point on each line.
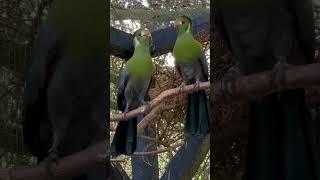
197	85
182	86
52	159
125	112
278	75
147	107
229	80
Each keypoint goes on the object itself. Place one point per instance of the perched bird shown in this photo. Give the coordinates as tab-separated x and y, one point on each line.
133	87
64	94
268	35
191	63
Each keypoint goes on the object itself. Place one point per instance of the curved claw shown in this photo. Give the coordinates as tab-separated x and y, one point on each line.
228	84
125	112
197	85
278	75
147	107
182	86
229	80
52	158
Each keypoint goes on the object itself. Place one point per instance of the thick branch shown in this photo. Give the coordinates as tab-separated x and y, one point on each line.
249	87
163	39
157	101
69	166
148	118
246	87
187	160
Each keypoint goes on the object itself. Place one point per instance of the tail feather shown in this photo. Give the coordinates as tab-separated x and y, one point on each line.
197	120
124	141
131	140
278	141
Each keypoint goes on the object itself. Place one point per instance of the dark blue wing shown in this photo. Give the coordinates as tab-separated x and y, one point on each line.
122	83
44	57
204	66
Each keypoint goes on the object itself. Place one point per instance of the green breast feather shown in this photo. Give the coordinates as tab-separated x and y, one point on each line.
140	65
186	49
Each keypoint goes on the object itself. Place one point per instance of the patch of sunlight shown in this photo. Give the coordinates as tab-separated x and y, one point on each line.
127	25
145	3
169	60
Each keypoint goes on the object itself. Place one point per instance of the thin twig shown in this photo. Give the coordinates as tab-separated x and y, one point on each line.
153	153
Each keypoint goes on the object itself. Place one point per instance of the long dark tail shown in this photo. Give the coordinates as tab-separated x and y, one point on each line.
278	144
197	120
125	138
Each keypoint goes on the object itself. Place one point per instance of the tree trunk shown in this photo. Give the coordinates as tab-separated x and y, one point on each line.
186	162
145	167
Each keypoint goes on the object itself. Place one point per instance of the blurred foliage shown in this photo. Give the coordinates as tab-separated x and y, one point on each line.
17	28
87	17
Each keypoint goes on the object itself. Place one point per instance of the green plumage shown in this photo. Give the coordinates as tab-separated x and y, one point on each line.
187	50
133	86
140	64
192	66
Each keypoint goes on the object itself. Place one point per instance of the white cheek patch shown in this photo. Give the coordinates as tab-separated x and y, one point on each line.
135	41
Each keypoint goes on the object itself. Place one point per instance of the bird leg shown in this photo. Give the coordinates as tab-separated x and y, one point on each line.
278	74
59	131
147	106
126	111
197	85
51	159
182	86
229	80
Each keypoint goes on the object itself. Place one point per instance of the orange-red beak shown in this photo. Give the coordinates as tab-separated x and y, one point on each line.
177	25
149	35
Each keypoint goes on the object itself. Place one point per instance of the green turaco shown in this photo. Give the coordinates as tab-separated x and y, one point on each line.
192	66
133	87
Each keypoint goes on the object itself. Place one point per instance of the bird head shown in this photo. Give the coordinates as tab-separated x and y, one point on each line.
142	37
182	24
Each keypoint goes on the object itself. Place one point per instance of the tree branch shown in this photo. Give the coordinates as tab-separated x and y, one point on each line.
187	160
259	84
163	39
69	166
245	87
158	100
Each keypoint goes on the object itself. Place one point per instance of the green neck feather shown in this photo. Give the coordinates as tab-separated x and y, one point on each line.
185	29
187	50
140	64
